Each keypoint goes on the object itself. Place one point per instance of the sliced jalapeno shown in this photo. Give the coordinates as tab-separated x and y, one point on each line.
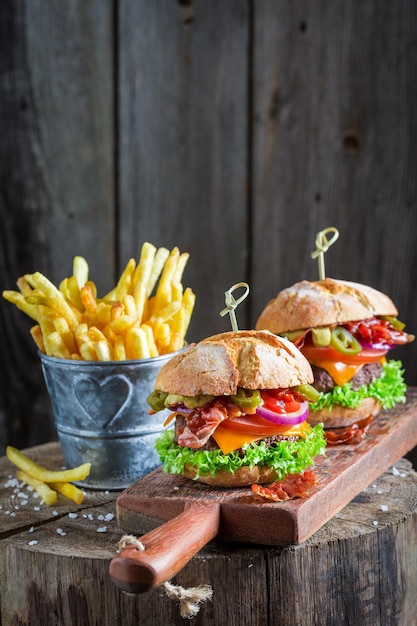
394	322
321	336
344	342
156	400
247	399
308	392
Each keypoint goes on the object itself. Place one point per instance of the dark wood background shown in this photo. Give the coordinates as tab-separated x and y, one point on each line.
234	129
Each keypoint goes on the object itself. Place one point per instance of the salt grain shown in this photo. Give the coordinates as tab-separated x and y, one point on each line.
102	529
36	508
395	472
55	513
72	515
31	529
375	523
61	532
384	507
108	517
32	543
90	516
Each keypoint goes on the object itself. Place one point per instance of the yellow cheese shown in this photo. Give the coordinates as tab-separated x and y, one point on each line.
229	440
340	372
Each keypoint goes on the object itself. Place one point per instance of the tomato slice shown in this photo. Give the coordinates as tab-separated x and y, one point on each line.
366	355
254	425
281	401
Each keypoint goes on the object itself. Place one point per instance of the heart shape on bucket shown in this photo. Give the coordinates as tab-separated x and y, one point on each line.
102	401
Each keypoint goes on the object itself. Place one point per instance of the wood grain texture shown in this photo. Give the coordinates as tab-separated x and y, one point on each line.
330	81
234	130
359	569
183	85
57	173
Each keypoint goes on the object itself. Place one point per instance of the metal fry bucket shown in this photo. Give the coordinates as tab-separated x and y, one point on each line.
101	417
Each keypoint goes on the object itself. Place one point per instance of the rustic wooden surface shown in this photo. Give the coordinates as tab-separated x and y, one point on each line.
359	569
342	473
235	130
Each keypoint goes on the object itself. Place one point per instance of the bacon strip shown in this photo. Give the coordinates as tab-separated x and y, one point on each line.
293	486
202	422
351	435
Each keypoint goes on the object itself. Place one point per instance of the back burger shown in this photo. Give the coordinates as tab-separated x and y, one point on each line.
346	331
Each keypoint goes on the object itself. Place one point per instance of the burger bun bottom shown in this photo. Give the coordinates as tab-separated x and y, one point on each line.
341	417
243	477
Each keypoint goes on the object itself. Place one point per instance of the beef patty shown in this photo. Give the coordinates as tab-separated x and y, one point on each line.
324	382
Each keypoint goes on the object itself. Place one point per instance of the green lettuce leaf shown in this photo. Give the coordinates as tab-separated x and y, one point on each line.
389	389
286	457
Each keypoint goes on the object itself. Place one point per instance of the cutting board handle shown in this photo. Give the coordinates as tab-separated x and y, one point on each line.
167	549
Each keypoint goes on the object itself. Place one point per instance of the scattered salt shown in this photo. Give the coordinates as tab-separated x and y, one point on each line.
108	517
55	513
100	517
31	529
395	472
90	516
102	529
375	523
384	507
379	492
36	508
72	515
32	543
61	532
21	495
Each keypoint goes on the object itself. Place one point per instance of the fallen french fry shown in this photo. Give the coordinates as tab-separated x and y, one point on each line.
48	495
26	464
69	491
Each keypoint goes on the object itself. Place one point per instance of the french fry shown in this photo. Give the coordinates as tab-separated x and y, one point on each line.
88	297
80	270
20	302
153	350
70	491
163	292
37	336
24	463
146	314
141	278
24	287
103	350
55	297
136	344
48	495
161	256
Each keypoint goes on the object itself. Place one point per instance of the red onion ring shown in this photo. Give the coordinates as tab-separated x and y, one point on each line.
286	419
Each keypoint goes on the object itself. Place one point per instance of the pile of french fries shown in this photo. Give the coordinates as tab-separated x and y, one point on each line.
48	483
147	314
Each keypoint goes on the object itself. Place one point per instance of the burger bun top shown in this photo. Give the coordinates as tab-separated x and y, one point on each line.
323	303
220	364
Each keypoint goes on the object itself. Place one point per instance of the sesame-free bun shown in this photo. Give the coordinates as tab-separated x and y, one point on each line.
323	303
243	477
220	364
342	417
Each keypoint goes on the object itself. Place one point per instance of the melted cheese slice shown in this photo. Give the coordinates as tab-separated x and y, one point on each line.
340	372
229	440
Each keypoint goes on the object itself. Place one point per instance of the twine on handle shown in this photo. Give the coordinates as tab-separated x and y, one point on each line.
231	303
189	599
322	245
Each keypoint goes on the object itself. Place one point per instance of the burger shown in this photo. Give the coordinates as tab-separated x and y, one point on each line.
346	331
238	404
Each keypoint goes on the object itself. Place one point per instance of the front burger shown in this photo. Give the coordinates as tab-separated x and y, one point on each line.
239	407
346	331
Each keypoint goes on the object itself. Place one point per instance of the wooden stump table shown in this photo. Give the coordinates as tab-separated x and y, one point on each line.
359	569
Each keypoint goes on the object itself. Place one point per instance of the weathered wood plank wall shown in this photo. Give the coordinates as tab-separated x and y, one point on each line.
235	129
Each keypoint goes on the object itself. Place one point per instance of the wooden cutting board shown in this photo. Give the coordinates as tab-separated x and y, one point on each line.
198	513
